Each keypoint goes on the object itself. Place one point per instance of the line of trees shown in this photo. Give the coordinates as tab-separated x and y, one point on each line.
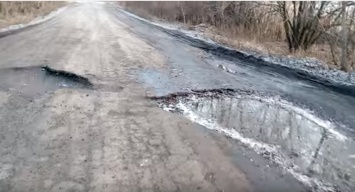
308	23
300	24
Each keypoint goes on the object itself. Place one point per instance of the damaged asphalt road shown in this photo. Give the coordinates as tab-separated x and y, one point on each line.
85	123
37	80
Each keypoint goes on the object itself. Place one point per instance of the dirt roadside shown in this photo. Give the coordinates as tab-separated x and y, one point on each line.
107	139
14	13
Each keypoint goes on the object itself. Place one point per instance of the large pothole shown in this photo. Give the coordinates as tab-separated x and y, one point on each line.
308	147
31	81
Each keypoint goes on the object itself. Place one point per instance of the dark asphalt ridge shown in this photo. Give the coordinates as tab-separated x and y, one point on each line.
264	65
212	93
258	119
327	99
322	98
232	55
14	31
36	80
235	55
92	140
68	76
18	30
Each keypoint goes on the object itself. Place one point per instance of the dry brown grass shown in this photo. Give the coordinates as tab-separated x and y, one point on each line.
12	13
248	26
247	42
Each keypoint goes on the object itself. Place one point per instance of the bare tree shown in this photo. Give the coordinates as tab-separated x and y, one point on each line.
302	22
344	41
182	11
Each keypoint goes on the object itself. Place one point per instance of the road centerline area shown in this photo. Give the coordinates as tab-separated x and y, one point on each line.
78	111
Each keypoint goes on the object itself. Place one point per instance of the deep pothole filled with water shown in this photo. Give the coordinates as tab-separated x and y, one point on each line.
308	147
36	80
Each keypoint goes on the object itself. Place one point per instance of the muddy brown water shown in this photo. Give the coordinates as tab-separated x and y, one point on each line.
308	147
32	81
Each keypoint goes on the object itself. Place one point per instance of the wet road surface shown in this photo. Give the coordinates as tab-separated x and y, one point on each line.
322	161
306	146
58	134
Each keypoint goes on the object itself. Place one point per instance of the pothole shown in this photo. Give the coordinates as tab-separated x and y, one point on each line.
308	147
31	81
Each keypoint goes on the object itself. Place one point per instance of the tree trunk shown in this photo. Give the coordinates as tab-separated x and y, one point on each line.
301	23
344	41
183	12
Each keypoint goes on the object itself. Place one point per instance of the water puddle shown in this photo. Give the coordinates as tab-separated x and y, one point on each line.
306	146
32	81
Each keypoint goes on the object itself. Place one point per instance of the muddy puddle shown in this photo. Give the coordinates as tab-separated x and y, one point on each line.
306	146
33	81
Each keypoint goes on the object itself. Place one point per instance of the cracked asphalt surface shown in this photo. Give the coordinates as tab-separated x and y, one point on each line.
107	139
111	137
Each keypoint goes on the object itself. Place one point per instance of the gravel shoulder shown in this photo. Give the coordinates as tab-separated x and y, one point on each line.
195	64
112	137
310	68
